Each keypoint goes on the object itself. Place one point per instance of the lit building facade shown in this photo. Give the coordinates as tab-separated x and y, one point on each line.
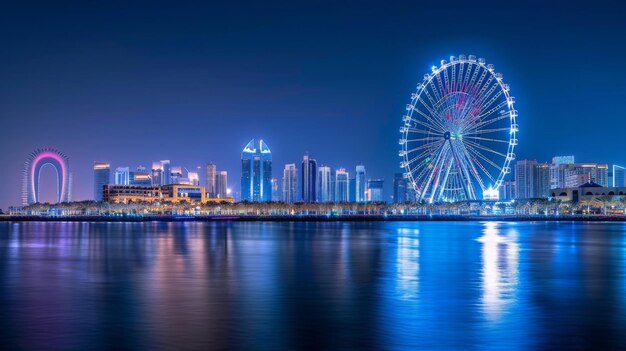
619	176
101	177
275	191
308	182
122	176
32	170
342	192
324	184
525	179
557	179
399	188
149	193
375	190
541	185
360	184
211	180
256	172
507	190
290	183
577	174
221	185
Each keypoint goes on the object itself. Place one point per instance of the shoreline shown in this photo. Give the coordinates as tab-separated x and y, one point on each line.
310	218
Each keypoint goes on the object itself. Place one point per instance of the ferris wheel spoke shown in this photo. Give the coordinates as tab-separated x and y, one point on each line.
481	124
466	80
433	88
433	125
469	168
474	157
422	131
478	146
487	131
493	110
486	139
433	118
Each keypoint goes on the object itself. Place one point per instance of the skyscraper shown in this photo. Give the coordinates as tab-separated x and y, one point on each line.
176	174
341	185
399	188
360	184
101	177
324	184
541	186
375	190
290	183
619	176
556	176
157	173
221	186
308	175
577	174
525	178
193	178
122	176
211	180
166	169
256	172
275	192
351	190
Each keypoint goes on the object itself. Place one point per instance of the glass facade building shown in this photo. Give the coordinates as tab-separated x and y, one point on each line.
399	188
101	177
122	176
360	184
308	175
619	176
341	185
211	180
375	190
290	183
324	184
256	172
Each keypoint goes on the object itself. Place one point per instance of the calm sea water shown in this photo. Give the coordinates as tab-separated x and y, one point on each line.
288	286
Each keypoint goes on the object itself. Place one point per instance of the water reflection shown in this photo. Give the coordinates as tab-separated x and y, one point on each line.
499	270
408	263
247	286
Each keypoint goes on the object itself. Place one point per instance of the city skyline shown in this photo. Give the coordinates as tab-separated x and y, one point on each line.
199	72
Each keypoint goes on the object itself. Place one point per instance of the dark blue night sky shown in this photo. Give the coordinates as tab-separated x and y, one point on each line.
193	83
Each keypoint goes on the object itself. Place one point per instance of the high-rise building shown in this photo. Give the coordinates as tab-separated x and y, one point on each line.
101	177
176	174
360	184
211	180
619	176
193	178
275	192
221	186
341	185
351	190
122	176
557	179
256	172
375	190
166	168
308	175
290	183
157	173
324	184
577	174
541	186
399	188
140	178
507	190
525	179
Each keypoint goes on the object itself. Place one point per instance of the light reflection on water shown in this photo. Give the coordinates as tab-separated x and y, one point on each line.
449	286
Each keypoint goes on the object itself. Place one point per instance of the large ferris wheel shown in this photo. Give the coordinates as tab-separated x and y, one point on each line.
459	132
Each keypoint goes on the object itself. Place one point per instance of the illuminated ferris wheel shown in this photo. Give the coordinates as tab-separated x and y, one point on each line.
459	132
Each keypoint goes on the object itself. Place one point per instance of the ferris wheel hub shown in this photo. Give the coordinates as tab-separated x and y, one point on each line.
446	135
